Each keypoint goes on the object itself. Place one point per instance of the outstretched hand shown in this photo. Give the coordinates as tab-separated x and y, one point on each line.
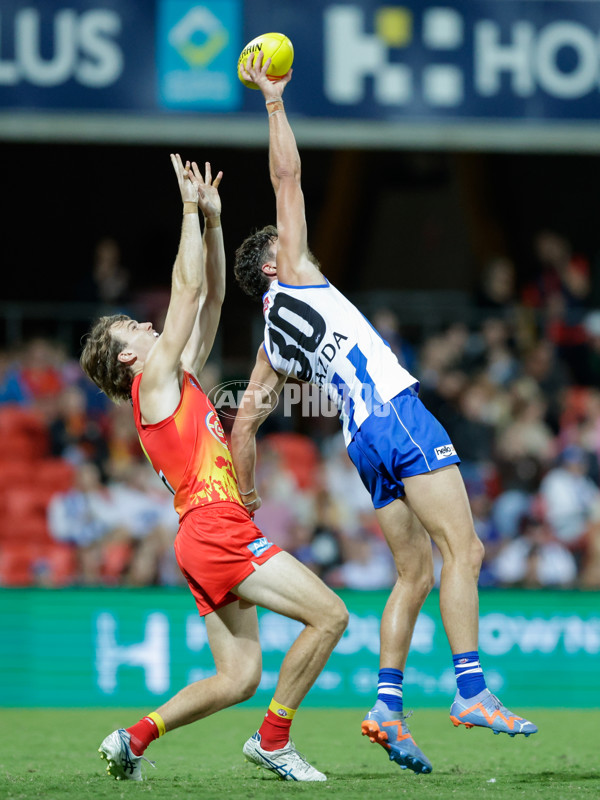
208	189
256	71
187	186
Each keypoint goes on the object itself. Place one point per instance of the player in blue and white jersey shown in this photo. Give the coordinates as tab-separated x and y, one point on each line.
403	454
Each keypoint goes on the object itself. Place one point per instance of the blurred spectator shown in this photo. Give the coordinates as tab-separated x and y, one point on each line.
387	324
439	354
497	290
542	365
591	324
86	518
483	521
122	439
367	563
319	546
500	364
535	559
561	289
587	430
75	435
139	497
344	485
107	284
123	533
590	570
473	432
497	297
572	500
40	372
526	435
442	399
283	504
509	509
12	386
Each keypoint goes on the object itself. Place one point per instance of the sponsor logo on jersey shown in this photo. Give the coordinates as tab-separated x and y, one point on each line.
445	451
213	423
258	546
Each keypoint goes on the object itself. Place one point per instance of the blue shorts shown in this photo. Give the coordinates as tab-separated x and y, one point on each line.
400	439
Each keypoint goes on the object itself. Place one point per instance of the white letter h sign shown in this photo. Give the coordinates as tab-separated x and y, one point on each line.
152	653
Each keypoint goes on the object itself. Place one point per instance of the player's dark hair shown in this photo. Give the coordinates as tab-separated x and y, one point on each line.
99	359
249	258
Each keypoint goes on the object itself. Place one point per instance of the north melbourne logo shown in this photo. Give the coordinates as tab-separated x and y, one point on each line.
445	451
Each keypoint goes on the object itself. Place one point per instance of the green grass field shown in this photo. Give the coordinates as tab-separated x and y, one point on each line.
47	754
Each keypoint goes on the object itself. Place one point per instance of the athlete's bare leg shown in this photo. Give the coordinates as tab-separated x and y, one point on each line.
411	548
234	643
284	585
439	500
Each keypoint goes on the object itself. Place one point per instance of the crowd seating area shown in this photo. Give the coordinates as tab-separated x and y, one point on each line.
517	391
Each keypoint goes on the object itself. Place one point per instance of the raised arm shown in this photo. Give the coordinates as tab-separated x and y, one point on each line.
160	390
203	335
293	263
260	398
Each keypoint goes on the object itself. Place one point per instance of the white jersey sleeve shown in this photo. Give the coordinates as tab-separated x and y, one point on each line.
315	334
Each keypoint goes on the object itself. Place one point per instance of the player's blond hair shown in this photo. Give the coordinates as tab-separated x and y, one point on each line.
99	359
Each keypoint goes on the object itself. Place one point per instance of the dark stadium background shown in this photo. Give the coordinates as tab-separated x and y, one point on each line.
380	220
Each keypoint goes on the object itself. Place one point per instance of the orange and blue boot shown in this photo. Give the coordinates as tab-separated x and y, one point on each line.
486	711
389	729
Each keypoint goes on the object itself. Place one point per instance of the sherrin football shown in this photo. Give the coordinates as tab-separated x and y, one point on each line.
275	46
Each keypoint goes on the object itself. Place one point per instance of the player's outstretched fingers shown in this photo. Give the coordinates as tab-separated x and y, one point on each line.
197	173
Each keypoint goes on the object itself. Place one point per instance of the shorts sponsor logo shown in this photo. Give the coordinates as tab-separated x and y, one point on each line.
445	451
258	546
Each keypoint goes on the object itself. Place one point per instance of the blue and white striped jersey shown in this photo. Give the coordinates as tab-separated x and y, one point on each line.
315	334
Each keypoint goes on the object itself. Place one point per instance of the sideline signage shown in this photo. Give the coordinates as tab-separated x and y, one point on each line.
75	648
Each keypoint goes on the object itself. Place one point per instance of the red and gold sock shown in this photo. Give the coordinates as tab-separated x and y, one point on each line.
145	731
275	730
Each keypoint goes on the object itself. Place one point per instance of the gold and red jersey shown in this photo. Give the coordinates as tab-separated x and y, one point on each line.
189	450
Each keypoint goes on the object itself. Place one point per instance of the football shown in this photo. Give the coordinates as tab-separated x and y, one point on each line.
275	46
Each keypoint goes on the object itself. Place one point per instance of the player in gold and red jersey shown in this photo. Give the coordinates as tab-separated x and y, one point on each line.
229	565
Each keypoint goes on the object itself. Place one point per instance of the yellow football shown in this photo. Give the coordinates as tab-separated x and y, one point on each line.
275	46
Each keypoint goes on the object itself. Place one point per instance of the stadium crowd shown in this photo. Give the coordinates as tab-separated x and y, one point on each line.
516	389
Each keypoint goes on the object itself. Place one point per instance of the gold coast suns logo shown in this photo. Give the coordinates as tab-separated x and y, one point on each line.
213	423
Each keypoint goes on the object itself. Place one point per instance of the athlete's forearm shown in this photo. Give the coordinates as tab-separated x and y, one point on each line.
214	258
284	159
188	270
243	454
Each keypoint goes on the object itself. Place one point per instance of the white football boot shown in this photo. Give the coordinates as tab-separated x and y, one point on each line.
287	763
